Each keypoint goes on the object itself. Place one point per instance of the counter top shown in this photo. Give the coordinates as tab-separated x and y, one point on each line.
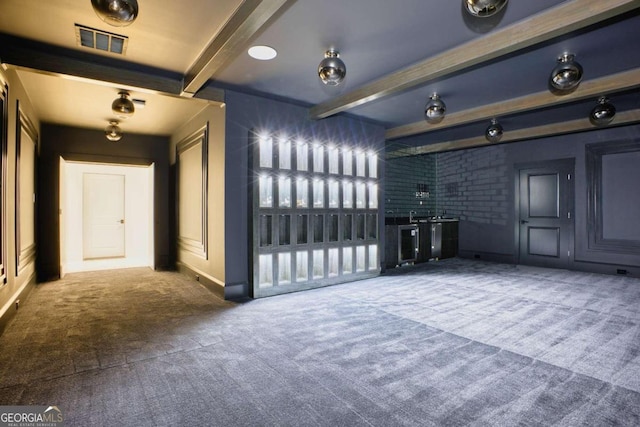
418	220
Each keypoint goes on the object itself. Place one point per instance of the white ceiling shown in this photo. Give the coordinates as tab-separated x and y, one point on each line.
157	39
375	38
73	102
167	34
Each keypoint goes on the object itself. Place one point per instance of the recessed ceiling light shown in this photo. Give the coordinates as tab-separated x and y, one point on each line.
263	53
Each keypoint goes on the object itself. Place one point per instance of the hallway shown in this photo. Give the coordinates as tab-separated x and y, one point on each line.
450	343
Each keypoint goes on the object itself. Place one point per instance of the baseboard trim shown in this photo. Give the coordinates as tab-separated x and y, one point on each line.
605	268
10	311
488	256
227	291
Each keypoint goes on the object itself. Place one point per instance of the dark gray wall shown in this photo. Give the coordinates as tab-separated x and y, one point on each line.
245	113
478	185
91	146
402	177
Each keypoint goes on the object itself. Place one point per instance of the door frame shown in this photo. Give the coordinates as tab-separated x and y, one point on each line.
70	263
557	163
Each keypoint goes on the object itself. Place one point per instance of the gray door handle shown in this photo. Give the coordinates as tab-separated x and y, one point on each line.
522	221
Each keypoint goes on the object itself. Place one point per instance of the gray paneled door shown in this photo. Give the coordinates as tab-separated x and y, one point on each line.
546	213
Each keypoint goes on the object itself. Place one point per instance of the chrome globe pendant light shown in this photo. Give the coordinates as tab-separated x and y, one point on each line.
494	131
603	113
484	8
566	76
118	13
332	69
435	109
113	131
123	107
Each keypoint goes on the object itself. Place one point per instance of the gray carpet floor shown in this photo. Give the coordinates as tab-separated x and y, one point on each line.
451	343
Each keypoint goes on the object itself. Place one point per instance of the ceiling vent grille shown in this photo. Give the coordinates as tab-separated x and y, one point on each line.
101	40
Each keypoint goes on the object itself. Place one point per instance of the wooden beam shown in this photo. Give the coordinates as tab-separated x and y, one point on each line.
579	125
246	22
562	19
587	89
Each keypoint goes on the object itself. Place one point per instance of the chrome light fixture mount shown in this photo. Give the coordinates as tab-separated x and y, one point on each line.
435	109
494	131
113	131
603	113
332	69
123	107
118	13
484	8
566	75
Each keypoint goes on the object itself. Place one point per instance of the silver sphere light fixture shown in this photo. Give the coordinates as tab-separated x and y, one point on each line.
123	107
603	113
494	131
484	8
435	109
332	69
566	76
113	131
118	13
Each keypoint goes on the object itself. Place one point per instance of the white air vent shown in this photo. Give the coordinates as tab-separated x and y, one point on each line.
101	40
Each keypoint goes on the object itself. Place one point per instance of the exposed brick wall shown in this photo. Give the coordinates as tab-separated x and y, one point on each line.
403	177
474	185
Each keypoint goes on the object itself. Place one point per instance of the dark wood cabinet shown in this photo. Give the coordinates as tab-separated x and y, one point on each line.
390	246
449	239
424	248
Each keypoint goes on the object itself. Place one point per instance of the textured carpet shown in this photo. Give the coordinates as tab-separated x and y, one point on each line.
451	343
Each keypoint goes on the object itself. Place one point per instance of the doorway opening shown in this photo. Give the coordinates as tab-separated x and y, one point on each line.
106	216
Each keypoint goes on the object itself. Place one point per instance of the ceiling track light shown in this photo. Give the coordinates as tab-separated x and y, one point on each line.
494	131
566	76
484	8
603	113
332	69
118	13
435	109
113	131
123	107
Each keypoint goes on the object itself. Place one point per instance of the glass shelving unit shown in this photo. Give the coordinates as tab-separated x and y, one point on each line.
315	213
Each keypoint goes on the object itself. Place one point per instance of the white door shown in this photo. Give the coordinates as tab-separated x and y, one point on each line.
103	216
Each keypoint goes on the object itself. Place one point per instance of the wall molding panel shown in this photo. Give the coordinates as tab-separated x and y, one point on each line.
4	125
192	191
610	206
26	152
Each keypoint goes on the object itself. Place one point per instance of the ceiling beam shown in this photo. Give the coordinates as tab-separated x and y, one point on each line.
563	19
46	58
547	130
605	85
246	22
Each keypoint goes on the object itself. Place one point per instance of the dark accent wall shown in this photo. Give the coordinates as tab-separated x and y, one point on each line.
91	146
407	179
485	197
245	113
475	186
